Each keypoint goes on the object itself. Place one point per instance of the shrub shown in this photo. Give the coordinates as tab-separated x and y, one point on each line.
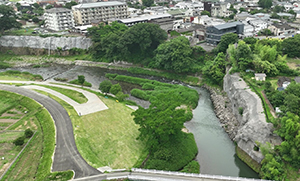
19	141
115	89
61	79
81	79
139	94
241	110
105	86
36	66
28	133
189	116
121	96
148	86
192	167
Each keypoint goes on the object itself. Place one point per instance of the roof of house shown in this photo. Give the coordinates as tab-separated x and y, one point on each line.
145	18
285	14
98	4
228	25
260	75
57	10
282	25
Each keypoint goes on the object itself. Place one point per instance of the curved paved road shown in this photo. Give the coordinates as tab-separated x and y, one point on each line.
66	155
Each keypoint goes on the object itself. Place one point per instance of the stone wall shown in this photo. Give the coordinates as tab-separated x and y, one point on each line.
52	43
253	127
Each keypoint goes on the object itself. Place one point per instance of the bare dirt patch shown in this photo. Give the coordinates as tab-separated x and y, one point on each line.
8	120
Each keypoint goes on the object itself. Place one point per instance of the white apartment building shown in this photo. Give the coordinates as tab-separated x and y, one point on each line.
190	6
59	19
100	11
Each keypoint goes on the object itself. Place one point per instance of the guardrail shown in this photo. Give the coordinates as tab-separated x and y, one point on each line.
218	177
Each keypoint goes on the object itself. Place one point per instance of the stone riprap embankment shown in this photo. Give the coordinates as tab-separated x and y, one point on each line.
253	127
52	43
222	107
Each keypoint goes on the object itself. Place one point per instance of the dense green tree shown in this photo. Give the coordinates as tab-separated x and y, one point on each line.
19	141
70	4
35	19
36	5
292	103
278	9
250	41
293	88
227	39
215	70
175	55
28	133
7	19
115	89
81	79
161	121
105	86
205	13
39	11
243	10
292	12
291	46
266	32
142	39
107	42
49	6
148	3
275	16
265	4
272	168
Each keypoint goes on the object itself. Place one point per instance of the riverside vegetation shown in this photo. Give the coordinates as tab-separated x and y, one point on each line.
161	124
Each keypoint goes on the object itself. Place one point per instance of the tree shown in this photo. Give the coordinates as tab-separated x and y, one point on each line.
291	46
105	86
7	19
265	4
205	13
243	10
28	133
70	4
175	55
227	39
278	9
121	96
36	5
49	6
292	103
160	121
148	3
19	141
266	32
81	79
142	39
35	19
215	70
115	89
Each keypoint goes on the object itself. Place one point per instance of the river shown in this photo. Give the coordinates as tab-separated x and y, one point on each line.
216	151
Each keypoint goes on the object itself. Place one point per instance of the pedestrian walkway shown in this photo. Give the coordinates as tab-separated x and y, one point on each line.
94	104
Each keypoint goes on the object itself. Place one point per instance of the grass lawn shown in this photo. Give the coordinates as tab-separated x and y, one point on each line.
7	149
23	31
74	95
293	62
17	75
107	138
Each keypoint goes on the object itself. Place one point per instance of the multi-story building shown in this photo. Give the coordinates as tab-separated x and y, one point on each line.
59	19
101	11
214	33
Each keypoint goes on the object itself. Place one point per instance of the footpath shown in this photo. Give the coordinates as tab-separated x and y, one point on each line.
94	104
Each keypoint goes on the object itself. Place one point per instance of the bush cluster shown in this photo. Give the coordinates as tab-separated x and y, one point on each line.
20	140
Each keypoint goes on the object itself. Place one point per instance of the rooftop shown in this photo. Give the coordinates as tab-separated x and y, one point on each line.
98	4
145	18
260	75
228	25
57	10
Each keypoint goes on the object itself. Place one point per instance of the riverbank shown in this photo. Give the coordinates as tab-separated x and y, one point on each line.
222	108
